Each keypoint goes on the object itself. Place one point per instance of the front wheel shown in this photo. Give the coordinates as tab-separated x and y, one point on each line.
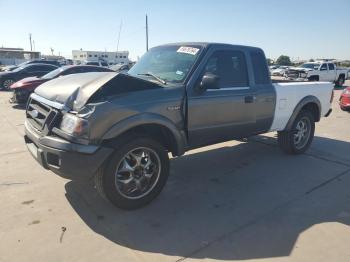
298	139
135	174
7	83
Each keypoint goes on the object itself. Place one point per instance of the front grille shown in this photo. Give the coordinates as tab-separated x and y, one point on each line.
41	116
293	74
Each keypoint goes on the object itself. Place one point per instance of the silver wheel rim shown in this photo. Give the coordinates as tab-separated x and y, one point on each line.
137	173
7	83
302	133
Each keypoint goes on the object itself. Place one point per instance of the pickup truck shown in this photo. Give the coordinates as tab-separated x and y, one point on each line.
120	128
318	71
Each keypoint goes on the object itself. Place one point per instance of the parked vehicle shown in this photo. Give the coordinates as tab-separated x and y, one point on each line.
344	100
23	88
279	71
8	68
120	68
119	128
96	63
318	71
38	70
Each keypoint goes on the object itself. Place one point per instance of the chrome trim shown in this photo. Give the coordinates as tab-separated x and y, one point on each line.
48	102
229	89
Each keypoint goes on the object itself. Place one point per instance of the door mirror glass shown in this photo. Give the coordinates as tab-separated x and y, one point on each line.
209	81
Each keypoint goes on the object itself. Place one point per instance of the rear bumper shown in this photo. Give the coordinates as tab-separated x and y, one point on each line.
68	160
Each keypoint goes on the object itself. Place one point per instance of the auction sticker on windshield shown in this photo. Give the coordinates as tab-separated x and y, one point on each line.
188	50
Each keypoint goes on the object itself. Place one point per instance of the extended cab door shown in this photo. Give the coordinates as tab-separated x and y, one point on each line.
324	75
227	112
332	72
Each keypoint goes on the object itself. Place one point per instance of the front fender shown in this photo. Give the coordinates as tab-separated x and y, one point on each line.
148	119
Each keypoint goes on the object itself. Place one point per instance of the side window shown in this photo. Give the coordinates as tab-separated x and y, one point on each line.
261	73
330	66
30	69
230	67
323	67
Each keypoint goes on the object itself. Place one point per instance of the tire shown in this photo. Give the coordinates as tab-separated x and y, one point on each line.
293	142
6	84
126	181
313	79
340	82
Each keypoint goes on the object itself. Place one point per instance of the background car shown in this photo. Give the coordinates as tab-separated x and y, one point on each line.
120	68
344	100
279	71
23	88
38	70
97	63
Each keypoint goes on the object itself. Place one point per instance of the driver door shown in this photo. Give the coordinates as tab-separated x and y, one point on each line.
224	112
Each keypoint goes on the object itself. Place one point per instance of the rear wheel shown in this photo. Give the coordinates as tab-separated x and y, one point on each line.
299	138
341	80
135	174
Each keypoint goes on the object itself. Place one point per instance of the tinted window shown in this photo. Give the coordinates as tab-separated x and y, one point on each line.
261	73
331	66
231	68
323	67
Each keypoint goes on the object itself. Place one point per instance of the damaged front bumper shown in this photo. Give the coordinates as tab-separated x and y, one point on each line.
67	159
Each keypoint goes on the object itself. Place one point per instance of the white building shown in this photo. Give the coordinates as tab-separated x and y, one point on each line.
120	57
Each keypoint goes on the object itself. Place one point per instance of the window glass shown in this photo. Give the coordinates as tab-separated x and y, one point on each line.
261	73
230	67
331	66
323	67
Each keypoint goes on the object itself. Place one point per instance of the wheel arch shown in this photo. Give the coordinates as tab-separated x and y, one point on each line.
310	103
156	126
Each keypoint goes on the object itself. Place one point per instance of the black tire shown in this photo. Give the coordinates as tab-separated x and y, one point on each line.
287	140
313	78
340	82
5	84
106	180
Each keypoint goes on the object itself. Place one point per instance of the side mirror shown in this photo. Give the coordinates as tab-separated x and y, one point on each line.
209	81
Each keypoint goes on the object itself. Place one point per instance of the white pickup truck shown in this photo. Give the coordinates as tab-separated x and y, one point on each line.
318	71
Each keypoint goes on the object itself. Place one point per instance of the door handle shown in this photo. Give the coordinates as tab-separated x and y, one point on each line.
249	99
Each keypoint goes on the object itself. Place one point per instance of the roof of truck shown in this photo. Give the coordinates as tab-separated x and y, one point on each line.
209	44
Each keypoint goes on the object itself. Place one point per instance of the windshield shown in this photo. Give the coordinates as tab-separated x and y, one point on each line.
53	73
169	63
311	66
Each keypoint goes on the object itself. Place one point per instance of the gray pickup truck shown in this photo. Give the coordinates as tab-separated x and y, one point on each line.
119	128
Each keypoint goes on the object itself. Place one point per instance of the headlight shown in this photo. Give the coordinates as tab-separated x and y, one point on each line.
74	125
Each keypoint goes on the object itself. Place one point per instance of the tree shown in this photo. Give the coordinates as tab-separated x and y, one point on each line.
311	60
283	60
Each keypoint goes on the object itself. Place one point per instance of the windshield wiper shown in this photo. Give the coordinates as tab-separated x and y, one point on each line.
154	76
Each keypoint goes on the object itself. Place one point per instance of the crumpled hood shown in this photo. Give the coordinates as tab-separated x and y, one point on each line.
74	91
75	88
300	69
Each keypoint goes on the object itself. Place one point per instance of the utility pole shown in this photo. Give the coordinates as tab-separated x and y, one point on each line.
146	33
33	45
120	29
30	41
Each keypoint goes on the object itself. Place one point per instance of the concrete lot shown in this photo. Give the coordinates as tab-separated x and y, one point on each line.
232	201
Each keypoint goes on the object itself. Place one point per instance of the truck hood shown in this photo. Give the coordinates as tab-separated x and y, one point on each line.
301	69
68	89
74	91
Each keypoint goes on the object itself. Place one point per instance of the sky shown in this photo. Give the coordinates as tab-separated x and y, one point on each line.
300	29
